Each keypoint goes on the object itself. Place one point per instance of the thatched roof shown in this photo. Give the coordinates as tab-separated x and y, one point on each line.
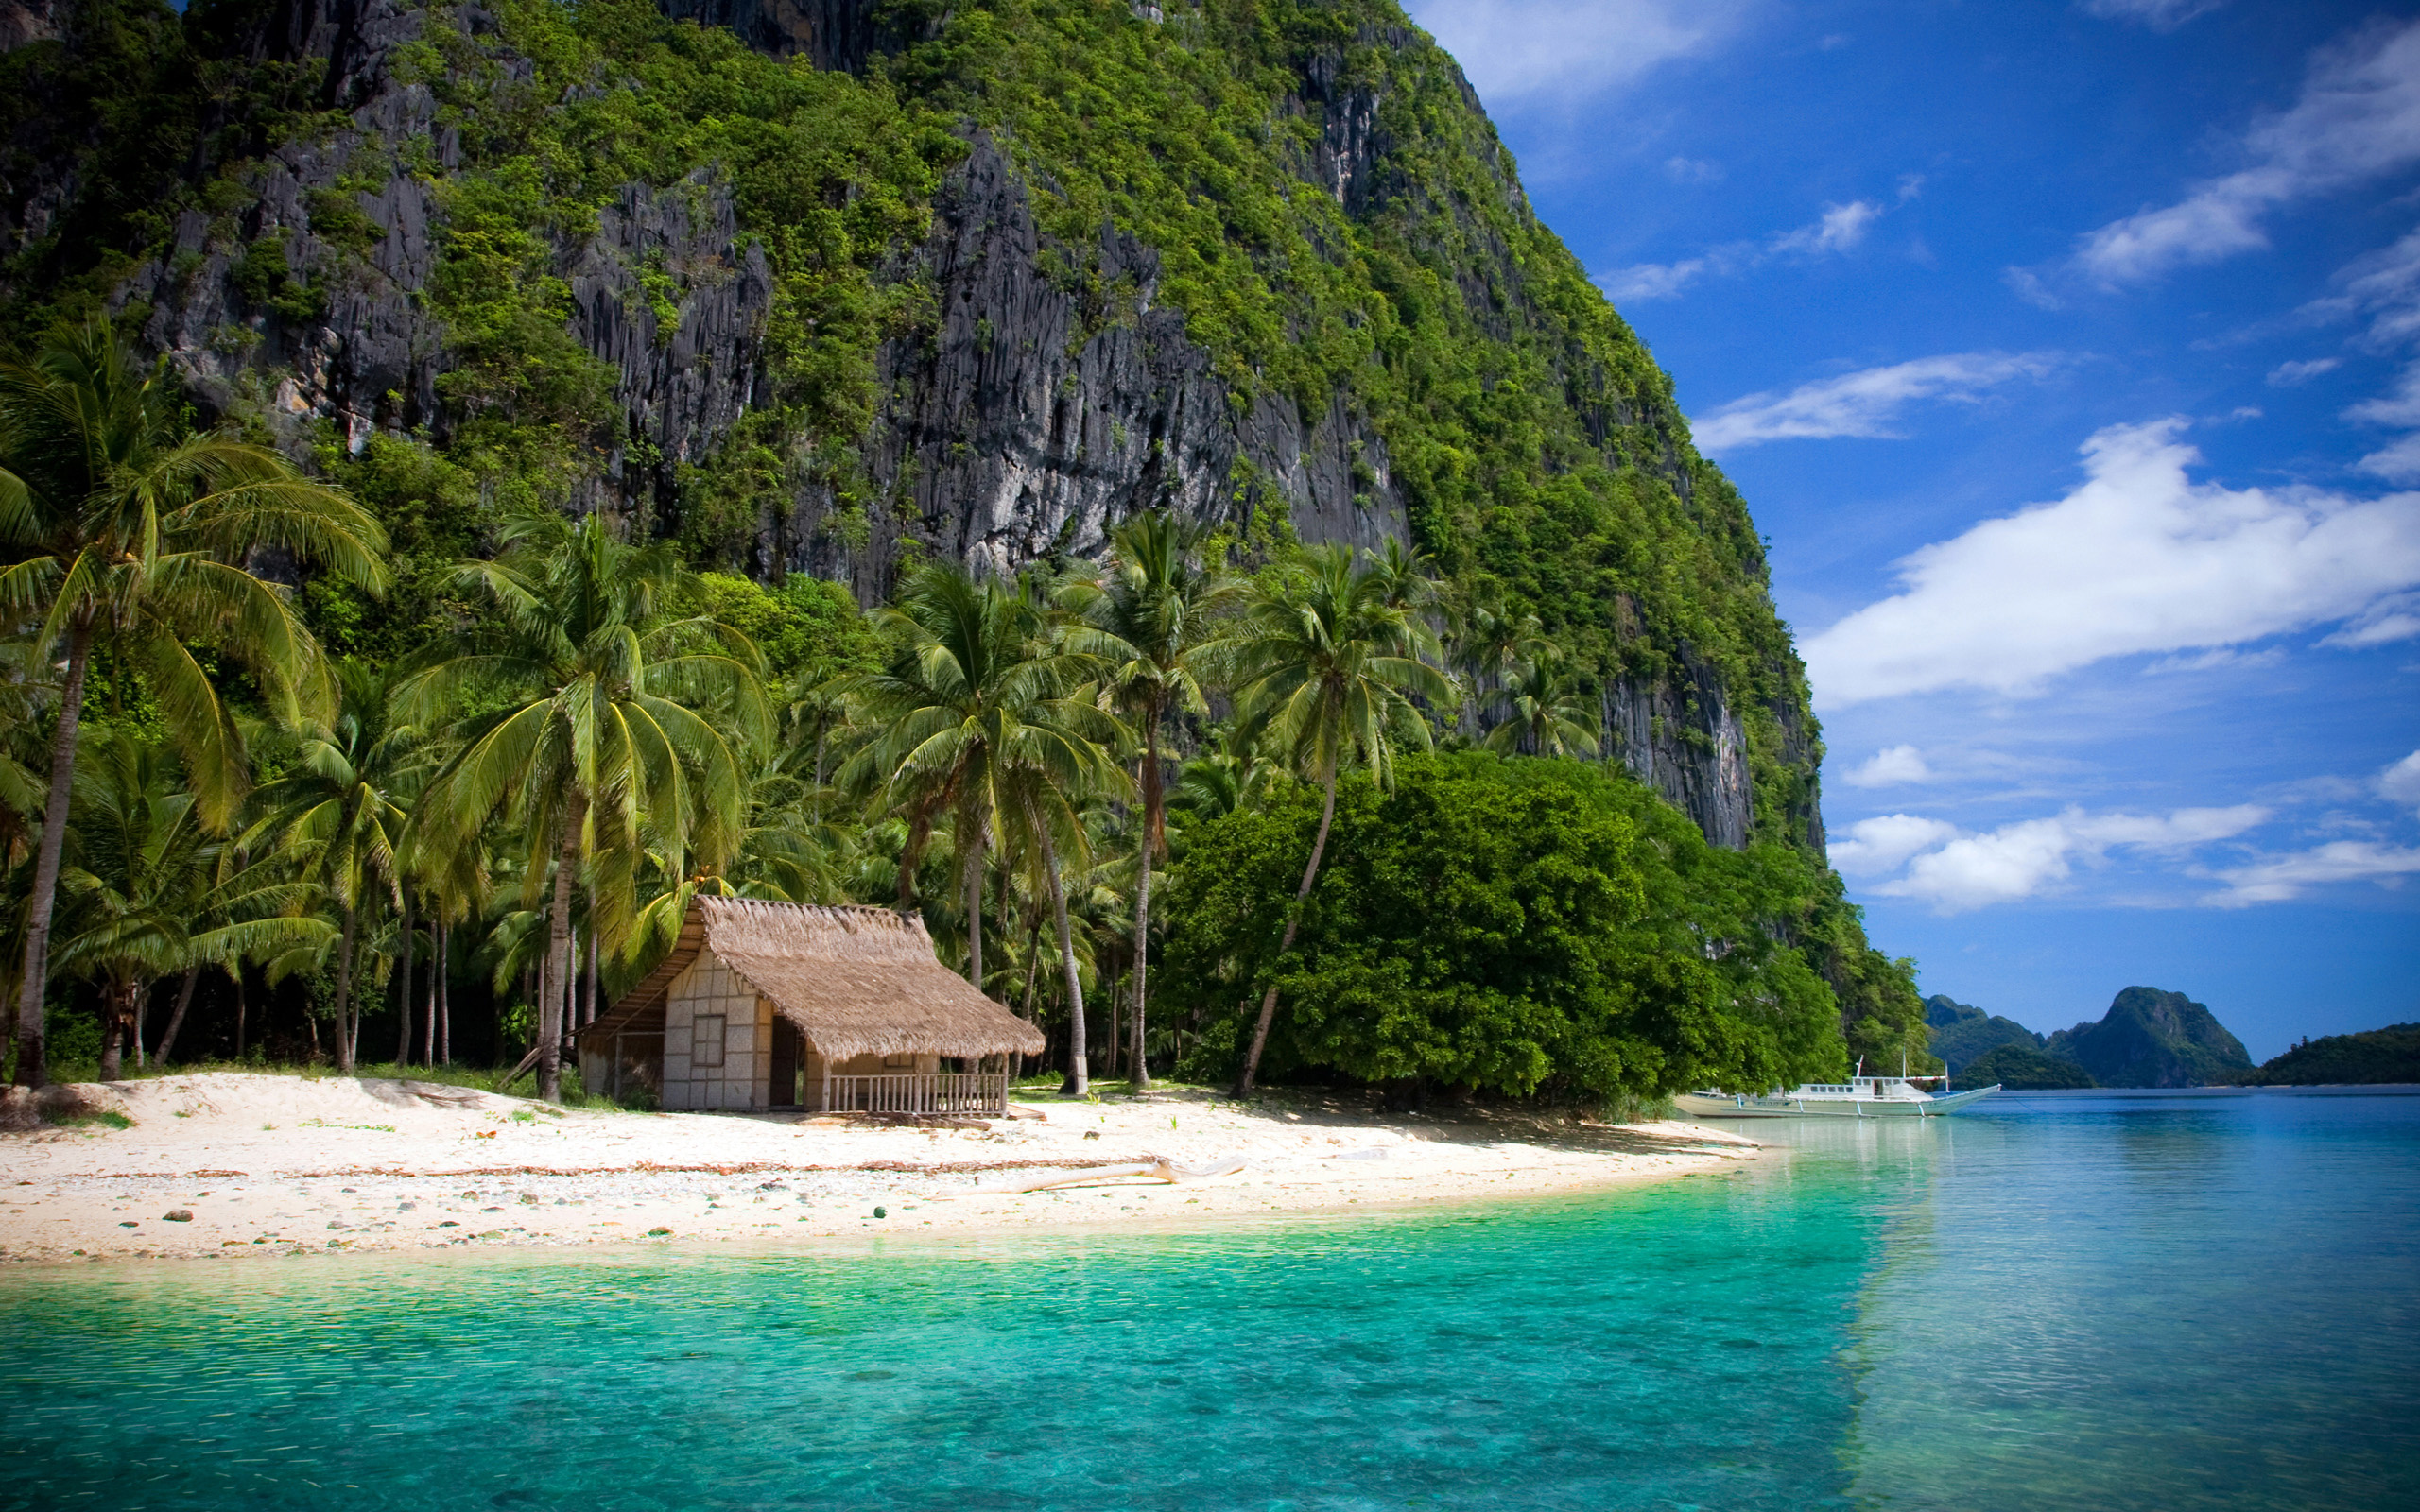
855	981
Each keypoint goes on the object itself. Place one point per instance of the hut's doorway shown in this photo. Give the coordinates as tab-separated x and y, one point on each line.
790	1053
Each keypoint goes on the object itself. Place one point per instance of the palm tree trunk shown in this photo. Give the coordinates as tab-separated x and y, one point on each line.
1294	922
117	1014
176	1020
445	995
557	967
344	991
428	1013
974	913
588	995
1078	1072
404	998
1152	820
33	1066
920	834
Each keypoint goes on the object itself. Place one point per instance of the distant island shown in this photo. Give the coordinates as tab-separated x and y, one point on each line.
2149	1038
2370	1056
2023	1069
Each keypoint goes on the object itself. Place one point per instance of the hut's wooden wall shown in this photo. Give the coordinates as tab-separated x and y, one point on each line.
740	1084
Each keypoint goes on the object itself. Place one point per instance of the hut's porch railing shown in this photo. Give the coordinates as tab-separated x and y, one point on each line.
945	1091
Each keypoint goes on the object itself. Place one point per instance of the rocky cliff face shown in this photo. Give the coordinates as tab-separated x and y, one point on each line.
2153	1039
1019	419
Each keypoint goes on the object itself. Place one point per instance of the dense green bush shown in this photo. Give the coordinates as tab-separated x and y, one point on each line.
1506	924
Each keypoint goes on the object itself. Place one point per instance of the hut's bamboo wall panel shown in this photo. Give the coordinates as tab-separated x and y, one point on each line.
708	987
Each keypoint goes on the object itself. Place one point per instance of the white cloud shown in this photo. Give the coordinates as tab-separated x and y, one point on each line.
2287	374
1956	872
2400	782
2276	879
2027	285
2160	15
1525	52
1866	403
2390	619
1890	767
1839	229
1692	170
2359	118
1876	846
2138	559
1654	281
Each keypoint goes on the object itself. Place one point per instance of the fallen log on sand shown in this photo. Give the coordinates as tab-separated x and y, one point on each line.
1155	1170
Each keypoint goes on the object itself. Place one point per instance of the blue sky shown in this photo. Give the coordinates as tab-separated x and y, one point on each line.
2069	356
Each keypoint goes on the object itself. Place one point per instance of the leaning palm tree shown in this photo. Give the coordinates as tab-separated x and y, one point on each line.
120	528
336	811
1148	618
604	715
1547	710
1325	660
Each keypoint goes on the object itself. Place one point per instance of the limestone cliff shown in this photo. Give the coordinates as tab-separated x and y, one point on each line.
1372	339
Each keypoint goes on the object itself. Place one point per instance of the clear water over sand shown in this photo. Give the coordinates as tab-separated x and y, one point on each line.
2155	1300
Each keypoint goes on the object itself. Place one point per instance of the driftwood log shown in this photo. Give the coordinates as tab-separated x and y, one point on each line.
1155	1170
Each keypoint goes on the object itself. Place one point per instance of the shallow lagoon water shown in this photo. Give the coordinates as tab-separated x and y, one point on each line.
2205	1301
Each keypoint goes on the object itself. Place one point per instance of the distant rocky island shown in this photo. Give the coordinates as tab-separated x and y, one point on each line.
2367	1058
2149	1038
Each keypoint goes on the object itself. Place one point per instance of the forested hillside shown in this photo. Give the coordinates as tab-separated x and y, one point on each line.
828	294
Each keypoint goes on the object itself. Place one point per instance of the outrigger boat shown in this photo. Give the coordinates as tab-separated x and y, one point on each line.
1861	1096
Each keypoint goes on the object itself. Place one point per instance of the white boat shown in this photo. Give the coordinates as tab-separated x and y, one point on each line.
1858	1097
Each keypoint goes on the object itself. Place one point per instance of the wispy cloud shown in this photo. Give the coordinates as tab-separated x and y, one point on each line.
1565	52
2138	559
2358	118
2400	782
2278	879
1840	228
1867	402
2287	374
2159	15
1892	767
1692	170
1936	863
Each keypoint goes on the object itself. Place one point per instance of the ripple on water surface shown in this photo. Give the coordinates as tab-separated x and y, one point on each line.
2079	1302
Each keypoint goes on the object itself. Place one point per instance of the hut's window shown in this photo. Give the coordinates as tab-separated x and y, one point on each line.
907	1062
705	1042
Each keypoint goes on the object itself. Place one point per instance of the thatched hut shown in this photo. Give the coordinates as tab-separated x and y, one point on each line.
770	1004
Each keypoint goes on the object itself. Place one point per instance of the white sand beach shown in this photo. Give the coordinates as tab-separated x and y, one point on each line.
253	1165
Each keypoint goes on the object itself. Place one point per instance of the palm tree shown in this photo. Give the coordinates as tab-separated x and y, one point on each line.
1549	712
1148	618
119	526
337	811
1044	781
1324	661
145	875
607	717
979	696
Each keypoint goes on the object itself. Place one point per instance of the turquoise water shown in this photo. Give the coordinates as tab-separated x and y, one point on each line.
2072	1300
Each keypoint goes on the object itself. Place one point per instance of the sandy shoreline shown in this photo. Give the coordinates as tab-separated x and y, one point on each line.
276	1166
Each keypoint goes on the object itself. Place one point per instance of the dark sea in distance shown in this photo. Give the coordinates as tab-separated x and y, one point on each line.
2136	1301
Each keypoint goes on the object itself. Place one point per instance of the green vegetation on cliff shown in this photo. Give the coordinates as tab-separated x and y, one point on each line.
2370	1057
1961	1032
2023	1068
2153	1039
